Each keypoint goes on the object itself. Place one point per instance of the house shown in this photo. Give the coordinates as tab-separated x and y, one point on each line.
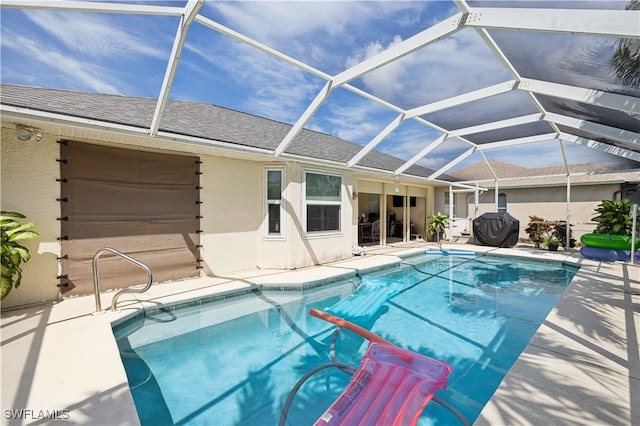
542	192
203	196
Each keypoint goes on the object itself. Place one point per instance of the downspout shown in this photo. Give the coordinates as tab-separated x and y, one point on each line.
496	196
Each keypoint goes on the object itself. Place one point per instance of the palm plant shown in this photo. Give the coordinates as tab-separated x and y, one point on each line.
549	240
437	224
613	217
13	254
626	59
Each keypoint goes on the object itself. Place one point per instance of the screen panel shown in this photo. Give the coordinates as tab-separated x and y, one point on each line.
143	204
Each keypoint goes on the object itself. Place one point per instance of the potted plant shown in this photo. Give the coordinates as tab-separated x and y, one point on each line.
560	229
437	224
549	240
13	254
537	227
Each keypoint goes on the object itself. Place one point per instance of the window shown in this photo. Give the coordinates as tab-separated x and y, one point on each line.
322	199
274	180
446	203
502	203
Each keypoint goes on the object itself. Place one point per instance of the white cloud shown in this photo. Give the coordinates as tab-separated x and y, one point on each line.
46	59
97	36
350	117
265	86
321	33
455	65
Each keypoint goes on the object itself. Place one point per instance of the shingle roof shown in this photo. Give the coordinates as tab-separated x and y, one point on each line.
197	120
512	175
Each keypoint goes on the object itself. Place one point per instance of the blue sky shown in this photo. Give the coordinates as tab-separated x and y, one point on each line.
127	55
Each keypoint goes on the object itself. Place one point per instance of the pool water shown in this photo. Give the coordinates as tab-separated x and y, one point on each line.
234	362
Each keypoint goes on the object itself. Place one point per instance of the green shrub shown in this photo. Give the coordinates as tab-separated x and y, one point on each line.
535	229
613	217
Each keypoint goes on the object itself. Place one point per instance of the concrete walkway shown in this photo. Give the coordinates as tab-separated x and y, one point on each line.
582	367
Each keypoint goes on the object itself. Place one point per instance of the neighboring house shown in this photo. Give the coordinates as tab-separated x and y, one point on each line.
540	192
204	196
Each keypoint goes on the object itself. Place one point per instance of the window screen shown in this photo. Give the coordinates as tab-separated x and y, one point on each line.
323	201
275	207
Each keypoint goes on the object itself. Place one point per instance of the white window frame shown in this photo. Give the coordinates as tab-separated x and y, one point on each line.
447	199
267	202
306	203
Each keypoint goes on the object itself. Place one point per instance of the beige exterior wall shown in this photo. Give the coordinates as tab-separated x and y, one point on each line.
297	249
546	202
550	204
313	249
232	215
29	173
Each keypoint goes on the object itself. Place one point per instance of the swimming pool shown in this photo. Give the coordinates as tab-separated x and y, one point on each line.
235	361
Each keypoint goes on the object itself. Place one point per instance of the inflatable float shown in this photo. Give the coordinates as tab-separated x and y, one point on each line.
607	241
608	255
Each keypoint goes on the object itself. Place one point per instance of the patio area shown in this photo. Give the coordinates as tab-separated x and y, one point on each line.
582	367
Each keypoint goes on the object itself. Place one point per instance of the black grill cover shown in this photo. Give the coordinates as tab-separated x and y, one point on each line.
496	230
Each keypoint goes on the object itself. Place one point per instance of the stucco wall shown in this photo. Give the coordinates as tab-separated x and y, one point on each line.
29	173
546	202
232	216
232	212
233	219
550	204
232	208
313	249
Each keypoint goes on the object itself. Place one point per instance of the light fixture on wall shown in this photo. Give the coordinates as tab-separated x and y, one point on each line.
24	133
397	184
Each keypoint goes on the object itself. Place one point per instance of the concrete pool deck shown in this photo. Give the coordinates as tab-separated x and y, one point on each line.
581	367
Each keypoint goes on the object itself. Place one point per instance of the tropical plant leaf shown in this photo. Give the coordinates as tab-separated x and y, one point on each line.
13	254
23	252
21	227
613	217
23	235
5	286
18	279
6	270
11	215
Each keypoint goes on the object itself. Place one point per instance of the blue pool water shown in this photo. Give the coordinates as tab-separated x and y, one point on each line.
234	362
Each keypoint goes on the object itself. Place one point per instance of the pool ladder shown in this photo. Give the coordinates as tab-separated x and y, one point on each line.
96	279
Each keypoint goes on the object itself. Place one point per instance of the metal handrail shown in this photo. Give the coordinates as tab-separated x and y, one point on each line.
96	279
